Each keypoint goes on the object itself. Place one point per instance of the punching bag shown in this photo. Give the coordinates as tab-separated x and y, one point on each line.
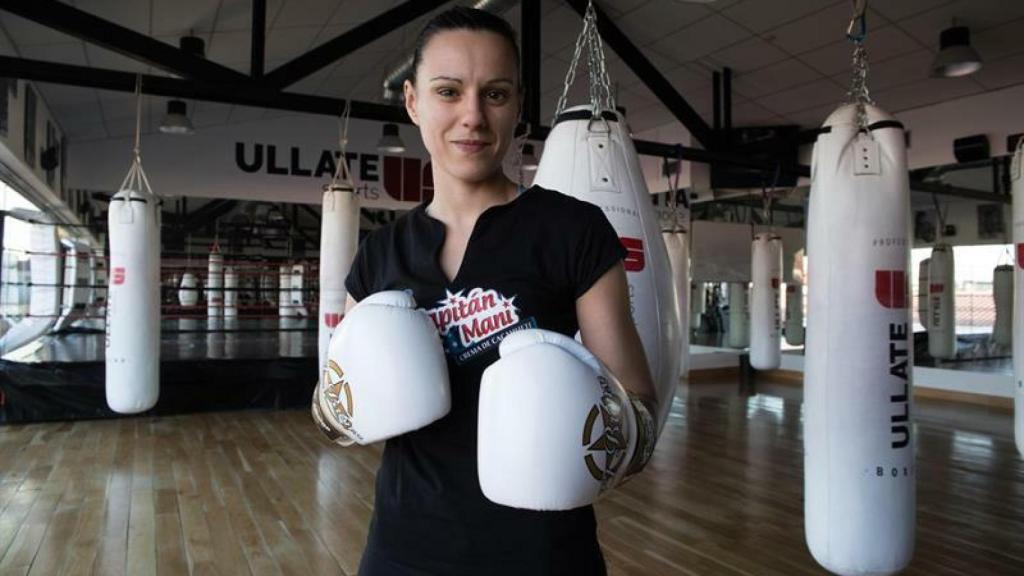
941	299
922	292
133	302
795	314
859	495
43	295
739	315
230	291
215	284
1002	294
677	245
284	293
696	304
339	238
188	293
766	273
1017	189
594	160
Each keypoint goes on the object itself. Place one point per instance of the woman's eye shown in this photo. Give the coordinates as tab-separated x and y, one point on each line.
446	92
497	95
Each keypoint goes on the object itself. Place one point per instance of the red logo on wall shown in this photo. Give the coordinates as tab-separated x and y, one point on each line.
119	275
408	179
332	319
634	254
891	288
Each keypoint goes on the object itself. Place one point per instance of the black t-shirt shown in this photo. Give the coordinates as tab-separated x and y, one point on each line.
525	264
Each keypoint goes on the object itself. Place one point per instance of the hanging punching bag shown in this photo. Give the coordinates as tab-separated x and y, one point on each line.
1017	189
739	315
133	302
679	259
339	238
922	292
1002	294
594	160
859	495
766	273
215	283
794	314
941	299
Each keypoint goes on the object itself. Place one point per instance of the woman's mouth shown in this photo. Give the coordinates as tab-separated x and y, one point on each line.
470	146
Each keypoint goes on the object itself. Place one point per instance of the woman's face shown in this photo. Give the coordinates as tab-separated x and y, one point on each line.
466	102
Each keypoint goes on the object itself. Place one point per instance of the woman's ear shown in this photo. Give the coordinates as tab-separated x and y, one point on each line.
409	91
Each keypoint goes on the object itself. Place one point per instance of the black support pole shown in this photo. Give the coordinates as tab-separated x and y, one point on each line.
727	106
259	36
530	25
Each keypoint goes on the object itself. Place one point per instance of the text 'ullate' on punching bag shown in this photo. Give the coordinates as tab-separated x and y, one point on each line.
765	291
859	493
941	304
1017	189
593	159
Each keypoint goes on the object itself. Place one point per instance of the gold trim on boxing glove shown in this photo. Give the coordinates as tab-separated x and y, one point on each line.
336	396
611	442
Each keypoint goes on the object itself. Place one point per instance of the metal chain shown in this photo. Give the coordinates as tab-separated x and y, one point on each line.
599	84
858	94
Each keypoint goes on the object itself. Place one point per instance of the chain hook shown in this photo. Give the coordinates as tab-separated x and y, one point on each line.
858	27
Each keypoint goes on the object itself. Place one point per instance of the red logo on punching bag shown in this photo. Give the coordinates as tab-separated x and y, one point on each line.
936	288
775	283
119	275
1020	255
634	254
332	319
891	288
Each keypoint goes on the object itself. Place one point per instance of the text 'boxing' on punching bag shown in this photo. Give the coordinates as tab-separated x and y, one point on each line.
941	304
859	493
1002	296
765	291
593	159
1017	189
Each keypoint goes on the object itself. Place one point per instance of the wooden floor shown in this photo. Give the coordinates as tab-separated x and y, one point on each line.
262	493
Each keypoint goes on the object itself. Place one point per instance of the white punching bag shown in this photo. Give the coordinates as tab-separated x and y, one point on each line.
285	308
677	245
43	295
215	283
765	291
859	495
1017	189
795	314
133	302
739	315
922	292
594	160
188	293
1002	294
697	304
941	304
339	238
230	291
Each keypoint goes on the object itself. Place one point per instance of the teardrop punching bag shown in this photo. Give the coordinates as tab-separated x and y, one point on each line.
739	315
794	314
339	238
859	495
215	284
922	292
1002	295
594	160
1017	190
697	303
677	246
133	302
766	276
941	299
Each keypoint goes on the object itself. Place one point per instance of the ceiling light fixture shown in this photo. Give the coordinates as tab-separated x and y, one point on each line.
390	142
176	121
956	57
529	158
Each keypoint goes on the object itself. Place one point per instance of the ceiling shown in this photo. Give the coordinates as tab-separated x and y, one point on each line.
790	58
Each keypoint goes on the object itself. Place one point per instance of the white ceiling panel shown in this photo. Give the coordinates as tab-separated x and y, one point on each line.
758	15
1001	73
306	12
821	28
288	43
925	92
358	11
751	113
28	33
701	38
178	17
133	15
810	95
64	53
620	7
81	132
883	44
905	8
61	98
775	78
747	56
102	58
658	18
234	46
812	117
690	80
1000	41
559	30
230	14
908	68
978	15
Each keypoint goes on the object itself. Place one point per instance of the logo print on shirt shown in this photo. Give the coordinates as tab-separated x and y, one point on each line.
471	323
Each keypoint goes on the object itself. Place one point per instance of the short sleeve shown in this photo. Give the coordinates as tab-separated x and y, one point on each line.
599	249
358	280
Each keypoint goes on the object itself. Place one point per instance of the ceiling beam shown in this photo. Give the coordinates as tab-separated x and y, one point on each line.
333	50
530	25
85	26
649	75
258	38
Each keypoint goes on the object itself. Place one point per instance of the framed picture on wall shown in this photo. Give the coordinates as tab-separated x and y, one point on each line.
991	225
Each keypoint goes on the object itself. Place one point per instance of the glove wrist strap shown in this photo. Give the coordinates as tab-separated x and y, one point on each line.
646	436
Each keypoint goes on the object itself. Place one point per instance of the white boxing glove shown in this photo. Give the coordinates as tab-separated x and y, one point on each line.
556	429
386	373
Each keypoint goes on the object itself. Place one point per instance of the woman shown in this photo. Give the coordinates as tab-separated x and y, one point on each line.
545	259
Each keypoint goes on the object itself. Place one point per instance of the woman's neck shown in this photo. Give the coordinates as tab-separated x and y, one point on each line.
458	203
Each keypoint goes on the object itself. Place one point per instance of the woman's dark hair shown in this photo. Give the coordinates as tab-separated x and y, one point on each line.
463	18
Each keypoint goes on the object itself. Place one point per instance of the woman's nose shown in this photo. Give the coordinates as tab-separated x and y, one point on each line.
473	113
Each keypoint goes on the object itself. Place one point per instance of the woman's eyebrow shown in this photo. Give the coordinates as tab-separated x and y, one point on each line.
446	78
